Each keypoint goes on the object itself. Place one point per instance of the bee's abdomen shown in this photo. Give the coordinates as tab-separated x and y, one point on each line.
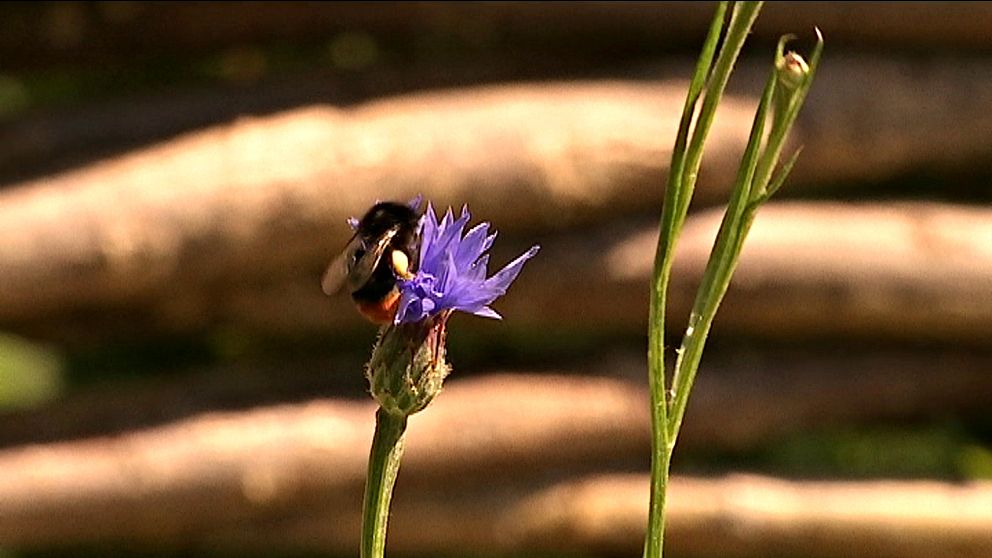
383	310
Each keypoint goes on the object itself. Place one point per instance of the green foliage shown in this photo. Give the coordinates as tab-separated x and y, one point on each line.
29	374
875	452
975	462
946	450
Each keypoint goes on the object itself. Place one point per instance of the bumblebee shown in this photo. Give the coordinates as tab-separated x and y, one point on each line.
382	250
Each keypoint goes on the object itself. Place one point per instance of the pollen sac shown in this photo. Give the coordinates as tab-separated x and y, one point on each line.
401	264
408	366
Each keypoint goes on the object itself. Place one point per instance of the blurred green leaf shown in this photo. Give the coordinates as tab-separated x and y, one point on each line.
30	374
14	98
873	452
975	462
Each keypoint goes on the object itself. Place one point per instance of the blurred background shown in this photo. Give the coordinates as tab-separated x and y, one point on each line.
175	176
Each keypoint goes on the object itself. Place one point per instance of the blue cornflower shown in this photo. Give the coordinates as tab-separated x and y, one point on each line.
451	274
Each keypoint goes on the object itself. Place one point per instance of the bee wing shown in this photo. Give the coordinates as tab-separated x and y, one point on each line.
336	274
355	265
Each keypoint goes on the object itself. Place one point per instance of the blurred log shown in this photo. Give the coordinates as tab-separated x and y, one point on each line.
63	33
40	143
189	477
917	272
235	222
179	225
734	516
903	271
907	131
500	464
900	271
743	398
209	469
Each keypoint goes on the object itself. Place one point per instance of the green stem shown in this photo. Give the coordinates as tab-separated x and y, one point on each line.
384	464
719	268
753	186
654	539
686	157
744	15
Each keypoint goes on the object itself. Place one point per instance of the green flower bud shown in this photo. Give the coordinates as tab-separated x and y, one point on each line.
408	365
792	71
791	75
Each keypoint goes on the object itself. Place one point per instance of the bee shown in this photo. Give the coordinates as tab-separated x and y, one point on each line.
382	250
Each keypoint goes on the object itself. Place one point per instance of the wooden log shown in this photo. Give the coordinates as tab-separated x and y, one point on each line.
907	132
239	220
184	222
73	33
183	478
733	516
900	272
743	397
911	272
506	464
914	272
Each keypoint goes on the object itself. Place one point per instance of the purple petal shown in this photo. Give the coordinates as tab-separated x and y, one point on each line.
487	312
502	279
489	242
452	232
428	230
414	204
447	274
471	247
447	219
477	271
403	308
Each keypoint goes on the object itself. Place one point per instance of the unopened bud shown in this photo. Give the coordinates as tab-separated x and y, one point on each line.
792	70
408	365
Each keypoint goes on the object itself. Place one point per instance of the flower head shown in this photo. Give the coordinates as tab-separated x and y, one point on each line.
452	271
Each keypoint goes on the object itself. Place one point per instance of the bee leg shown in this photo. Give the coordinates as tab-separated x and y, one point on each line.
401	265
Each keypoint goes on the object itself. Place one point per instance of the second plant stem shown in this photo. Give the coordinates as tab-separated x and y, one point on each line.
686	156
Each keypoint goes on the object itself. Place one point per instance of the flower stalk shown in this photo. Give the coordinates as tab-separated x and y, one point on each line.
781	100
384	464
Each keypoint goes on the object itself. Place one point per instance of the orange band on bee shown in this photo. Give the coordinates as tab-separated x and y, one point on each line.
382	311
